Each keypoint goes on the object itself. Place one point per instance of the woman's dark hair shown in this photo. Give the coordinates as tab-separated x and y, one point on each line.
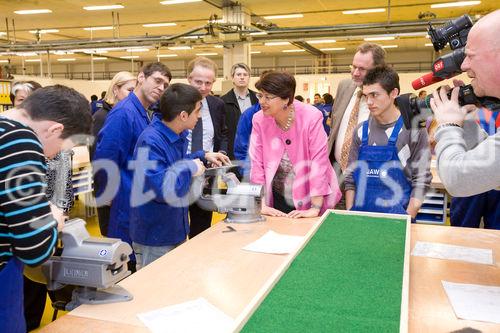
281	84
177	98
328	98
299	98
63	105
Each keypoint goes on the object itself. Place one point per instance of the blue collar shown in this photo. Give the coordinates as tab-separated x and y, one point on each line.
138	105
167	132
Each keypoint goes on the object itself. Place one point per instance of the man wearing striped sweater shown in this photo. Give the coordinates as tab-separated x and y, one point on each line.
38	128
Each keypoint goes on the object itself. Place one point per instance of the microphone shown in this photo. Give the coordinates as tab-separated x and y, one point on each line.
425	80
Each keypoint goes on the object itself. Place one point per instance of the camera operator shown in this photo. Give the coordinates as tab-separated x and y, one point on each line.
467	168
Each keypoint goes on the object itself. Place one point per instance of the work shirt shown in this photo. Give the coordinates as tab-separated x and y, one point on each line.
163	218
116	142
208	129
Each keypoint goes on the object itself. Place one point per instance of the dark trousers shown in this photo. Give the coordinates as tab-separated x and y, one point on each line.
200	220
103	216
35	295
468	211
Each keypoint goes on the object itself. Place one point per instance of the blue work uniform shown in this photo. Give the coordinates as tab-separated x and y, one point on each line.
375	164
163	220
11	294
242	138
468	211
116	142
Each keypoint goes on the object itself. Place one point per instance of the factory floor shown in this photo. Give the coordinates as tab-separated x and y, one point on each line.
78	211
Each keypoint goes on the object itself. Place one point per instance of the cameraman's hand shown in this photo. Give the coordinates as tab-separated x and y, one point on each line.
200	166
217	159
446	110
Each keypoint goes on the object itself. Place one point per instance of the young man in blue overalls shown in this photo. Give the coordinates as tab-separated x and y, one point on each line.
468	211
389	165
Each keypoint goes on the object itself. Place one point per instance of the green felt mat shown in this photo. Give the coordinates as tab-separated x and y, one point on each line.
348	278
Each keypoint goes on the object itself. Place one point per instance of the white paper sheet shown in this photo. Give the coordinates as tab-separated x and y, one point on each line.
453	252
275	243
192	316
474	302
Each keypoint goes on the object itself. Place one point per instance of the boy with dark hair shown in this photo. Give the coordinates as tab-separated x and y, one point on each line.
389	165
29	133
161	223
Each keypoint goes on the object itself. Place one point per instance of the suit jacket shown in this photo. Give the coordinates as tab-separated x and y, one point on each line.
217	113
233	113
305	144
342	98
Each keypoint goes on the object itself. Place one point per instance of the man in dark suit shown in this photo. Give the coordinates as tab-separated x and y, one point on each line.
349	108
237	100
210	133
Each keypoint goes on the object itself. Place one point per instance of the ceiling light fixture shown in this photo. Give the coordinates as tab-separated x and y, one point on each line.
99	58
293	51
255	52
44	31
363	11
155	25
33	60
175	2
103	7
258	33
27	54
130	57
372	39
98	28
190	37
138	50
429	44
287	16
207	54
166	55
333	49
4	61
455	4
321	41
176	48
389	46
3	33
66	59
219	46
276	43
32	11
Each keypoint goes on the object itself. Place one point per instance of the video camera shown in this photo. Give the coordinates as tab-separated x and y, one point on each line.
455	34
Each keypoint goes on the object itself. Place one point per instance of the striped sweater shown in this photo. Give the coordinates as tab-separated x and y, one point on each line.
28	230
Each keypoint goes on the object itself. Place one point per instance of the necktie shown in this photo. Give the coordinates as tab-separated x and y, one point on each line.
351	125
197	136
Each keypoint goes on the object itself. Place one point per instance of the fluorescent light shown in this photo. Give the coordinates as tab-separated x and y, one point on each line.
103	7
33	11
98	28
369	39
94	51
166	55
27	54
389	46
287	16
4	61
321	41
66	59
44	31
190	37
207	54
33	60
176	48
258	33
175	2
255	52
429	44
130	57
363	11
293	51
3	33
154	25
138	50
61	52
455	4
218	46
99	58
276	43
333	49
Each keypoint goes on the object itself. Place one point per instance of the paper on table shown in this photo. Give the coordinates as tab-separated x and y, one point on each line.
275	243
474	302
453	252
192	316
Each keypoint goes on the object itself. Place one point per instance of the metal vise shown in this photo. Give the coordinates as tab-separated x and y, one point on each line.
241	201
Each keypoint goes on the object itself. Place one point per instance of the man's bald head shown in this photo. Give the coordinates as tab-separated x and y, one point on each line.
488	29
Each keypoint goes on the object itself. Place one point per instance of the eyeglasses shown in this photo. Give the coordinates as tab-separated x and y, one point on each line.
360	69
158	81
266	98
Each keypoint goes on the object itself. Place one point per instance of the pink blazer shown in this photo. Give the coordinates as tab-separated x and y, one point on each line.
307	150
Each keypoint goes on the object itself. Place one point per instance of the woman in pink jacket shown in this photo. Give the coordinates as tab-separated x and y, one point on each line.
288	152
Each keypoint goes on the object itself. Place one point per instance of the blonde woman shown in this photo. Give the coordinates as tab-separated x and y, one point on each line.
121	85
